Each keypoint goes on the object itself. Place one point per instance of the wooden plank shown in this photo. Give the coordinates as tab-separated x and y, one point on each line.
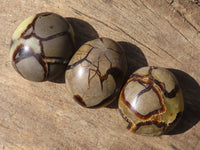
42	116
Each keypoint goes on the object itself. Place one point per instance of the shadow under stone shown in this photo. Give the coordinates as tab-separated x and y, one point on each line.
83	31
135	60
191	94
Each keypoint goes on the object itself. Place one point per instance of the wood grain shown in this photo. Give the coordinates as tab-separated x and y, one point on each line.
41	116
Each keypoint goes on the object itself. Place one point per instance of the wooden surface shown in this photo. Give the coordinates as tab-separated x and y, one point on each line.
41	116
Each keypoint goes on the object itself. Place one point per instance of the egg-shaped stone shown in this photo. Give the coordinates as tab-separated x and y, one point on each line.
41	46
96	72
151	101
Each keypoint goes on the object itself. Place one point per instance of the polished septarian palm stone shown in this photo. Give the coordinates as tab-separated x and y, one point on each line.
151	101
96	72
41	46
